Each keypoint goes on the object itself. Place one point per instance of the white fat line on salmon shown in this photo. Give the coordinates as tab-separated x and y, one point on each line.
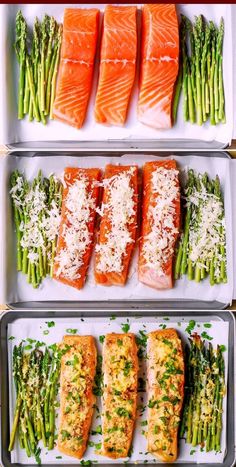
120	210
159	243
78	205
70	60
116	60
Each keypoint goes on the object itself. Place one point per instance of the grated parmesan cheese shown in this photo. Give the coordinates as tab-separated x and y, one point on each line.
79	205
207	229
120	211
159	244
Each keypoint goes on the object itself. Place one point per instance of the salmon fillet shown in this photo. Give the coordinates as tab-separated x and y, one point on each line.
75	242
160	223
118	225
119	401
159	64
165	381
117	64
80	31
78	368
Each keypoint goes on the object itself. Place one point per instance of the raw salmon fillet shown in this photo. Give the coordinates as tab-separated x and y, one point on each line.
80	31
159	64
75	242
117	64
118	225
160	223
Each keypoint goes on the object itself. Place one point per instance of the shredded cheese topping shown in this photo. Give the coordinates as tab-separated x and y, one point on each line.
120	210
207	229
159	243
79	206
41	220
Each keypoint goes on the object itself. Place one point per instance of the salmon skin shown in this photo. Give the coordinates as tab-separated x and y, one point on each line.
79	202
160	223
117	64
118	225
80	32
159	64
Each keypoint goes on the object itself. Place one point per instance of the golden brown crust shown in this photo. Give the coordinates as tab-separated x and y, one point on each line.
78	368
165	392
120	367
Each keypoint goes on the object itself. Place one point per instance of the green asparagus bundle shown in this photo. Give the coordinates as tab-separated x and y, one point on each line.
38	66
202	247
204	393
36	375
36	209
201	71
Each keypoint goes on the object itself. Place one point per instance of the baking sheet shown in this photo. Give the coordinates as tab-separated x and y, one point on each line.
14	287
34	328
13	131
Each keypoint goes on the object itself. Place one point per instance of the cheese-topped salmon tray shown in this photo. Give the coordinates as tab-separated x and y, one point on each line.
136	227
123	72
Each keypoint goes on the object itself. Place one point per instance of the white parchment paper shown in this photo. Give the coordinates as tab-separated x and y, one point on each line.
14	287
24	328
14	131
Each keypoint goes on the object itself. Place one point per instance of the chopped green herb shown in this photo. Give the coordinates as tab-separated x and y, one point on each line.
28	347
119	342
98	446
11	338
163	326
71	331
101	339
58	457
206	336
46	332
98	430
207	325
191	326
127	367
50	324
144	423
122	412
192	452
112	317
223	348
166	319
125	327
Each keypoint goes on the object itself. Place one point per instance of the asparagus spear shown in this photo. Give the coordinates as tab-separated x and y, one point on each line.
21	51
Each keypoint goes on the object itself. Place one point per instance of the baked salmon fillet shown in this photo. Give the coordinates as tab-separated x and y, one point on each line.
165	382
78	368
117	64
79	41
118	225
119	402
160	223
159	64
75	242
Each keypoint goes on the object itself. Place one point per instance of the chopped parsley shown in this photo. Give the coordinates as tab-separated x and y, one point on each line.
101	339
122	412
71	331
125	327
50	324
206	336
46	332
11	338
191	326
207	325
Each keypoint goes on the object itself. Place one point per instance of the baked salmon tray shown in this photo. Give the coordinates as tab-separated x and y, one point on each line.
116	73
118	389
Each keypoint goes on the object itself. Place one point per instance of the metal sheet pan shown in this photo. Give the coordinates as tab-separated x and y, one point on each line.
11	316
160	304
27	135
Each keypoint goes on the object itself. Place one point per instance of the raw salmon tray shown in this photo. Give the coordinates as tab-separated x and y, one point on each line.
120	73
